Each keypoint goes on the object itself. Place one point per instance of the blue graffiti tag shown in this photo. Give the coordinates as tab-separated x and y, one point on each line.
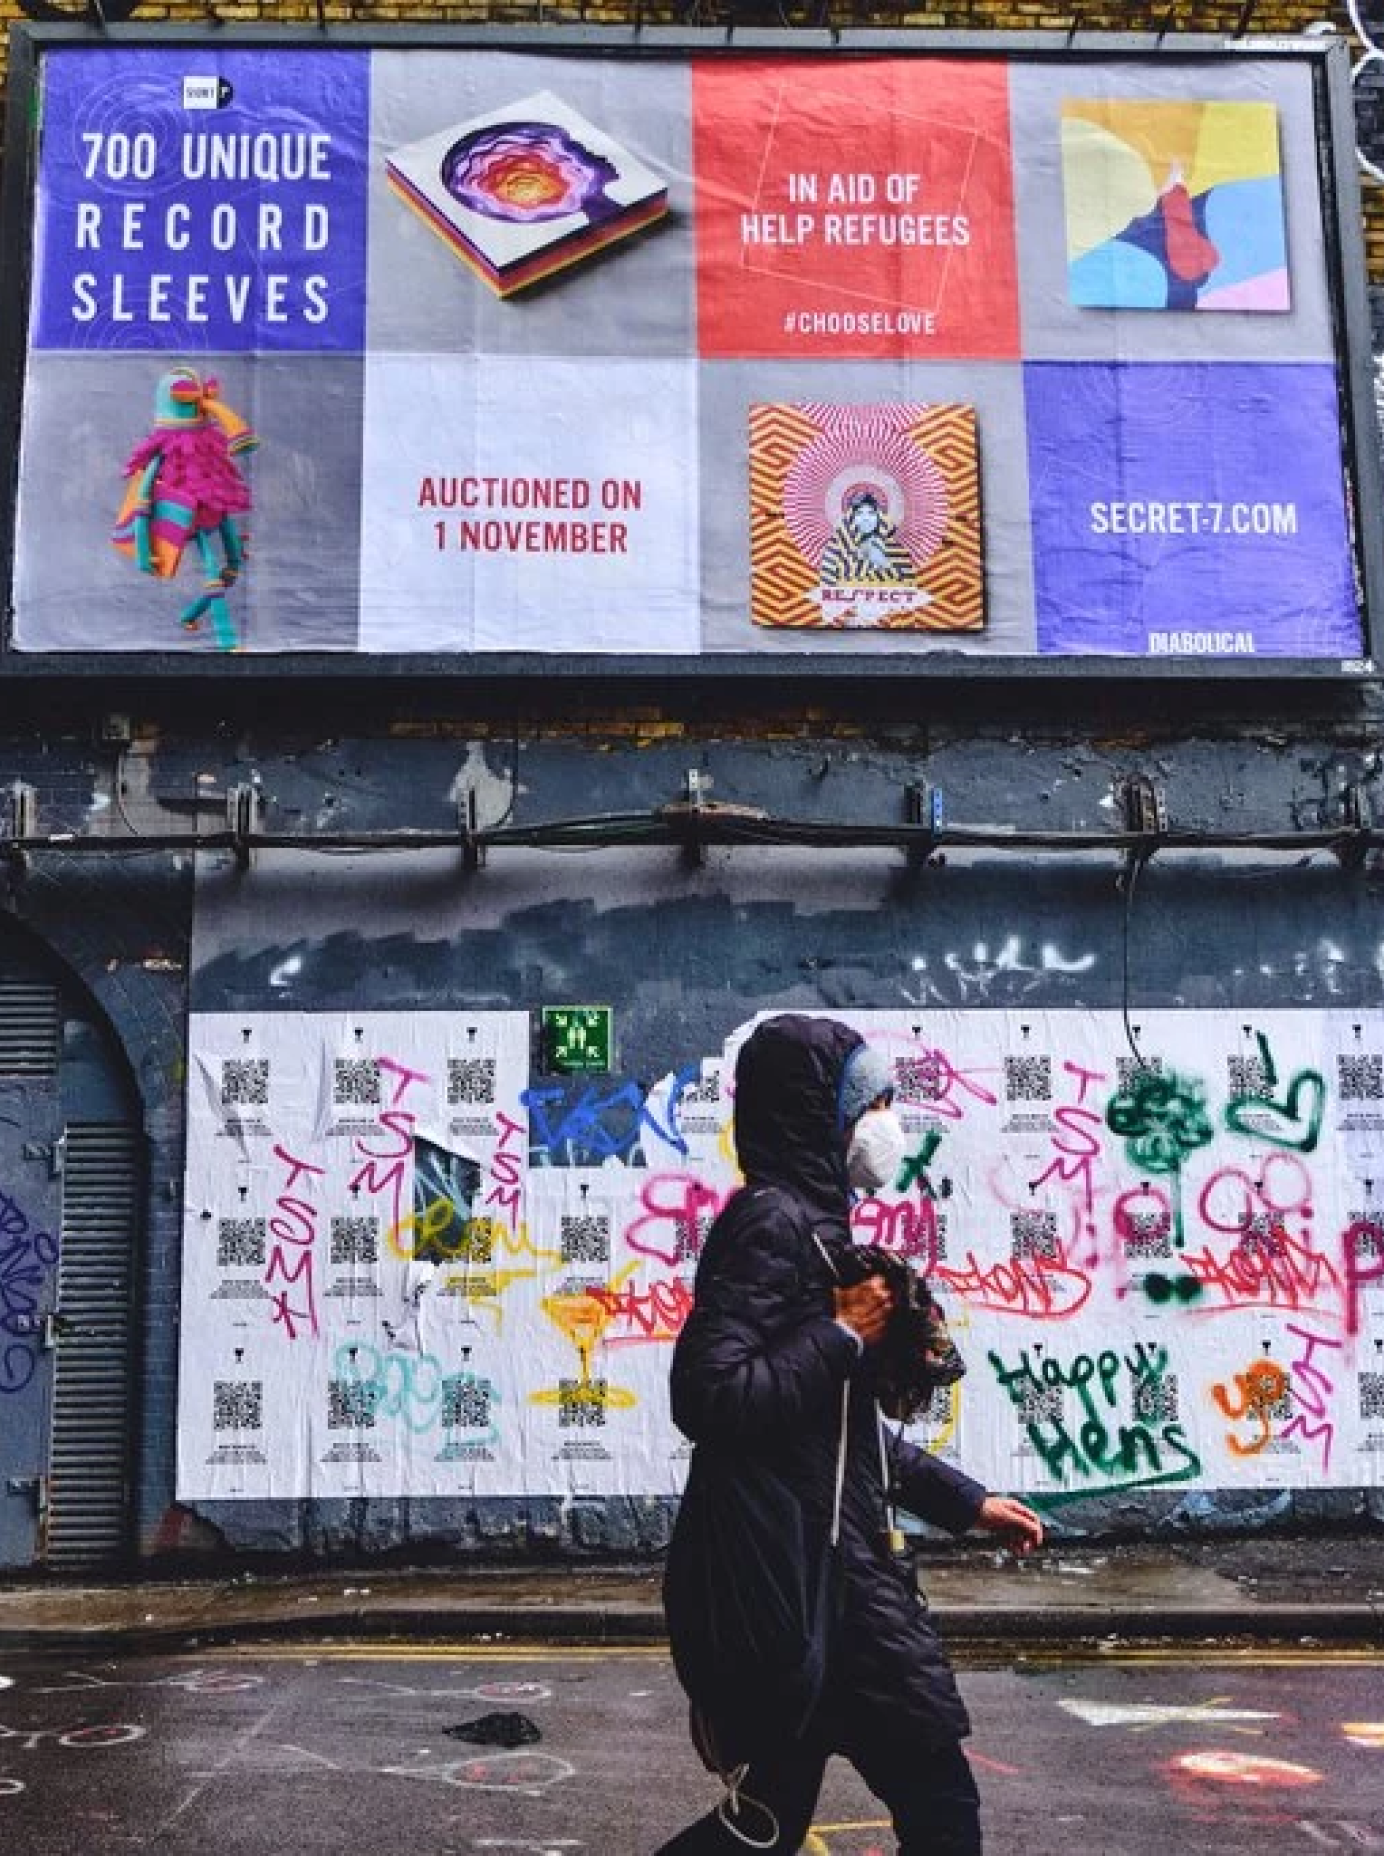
596	1126
26	1256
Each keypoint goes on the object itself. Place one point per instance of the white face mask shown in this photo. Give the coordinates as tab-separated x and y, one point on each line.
876	1152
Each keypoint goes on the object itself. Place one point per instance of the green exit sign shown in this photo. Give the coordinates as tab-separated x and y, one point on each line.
577	1037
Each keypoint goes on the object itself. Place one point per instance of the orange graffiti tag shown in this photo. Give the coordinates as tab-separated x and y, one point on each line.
1263	1386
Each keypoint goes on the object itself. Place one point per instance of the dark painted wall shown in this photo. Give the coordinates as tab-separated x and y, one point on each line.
684	951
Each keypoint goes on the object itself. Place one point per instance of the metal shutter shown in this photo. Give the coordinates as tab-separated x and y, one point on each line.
30	1027
88	1493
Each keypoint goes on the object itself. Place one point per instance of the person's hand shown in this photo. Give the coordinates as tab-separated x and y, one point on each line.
1019	1527
865	1308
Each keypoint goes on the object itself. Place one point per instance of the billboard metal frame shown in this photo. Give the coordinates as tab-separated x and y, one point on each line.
1338	180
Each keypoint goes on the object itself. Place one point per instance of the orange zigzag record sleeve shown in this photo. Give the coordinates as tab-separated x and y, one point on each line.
865	518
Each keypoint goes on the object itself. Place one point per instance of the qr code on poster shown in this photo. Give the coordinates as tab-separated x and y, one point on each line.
1028	1079
1360	1078
1033	1234
470	1081
582	1402
237	1405
690	1235
706	1092
466	1402
1040	1404
355	1239
1147	1233
351	1404
241	1243
1372	1395
939	1237
245	1082
1128	1068
922	1078
356	1082
585	1239
1155	1399
1366	1235
1263	1235
1247	1076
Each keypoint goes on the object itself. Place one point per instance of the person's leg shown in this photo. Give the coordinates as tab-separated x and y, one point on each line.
770	1810
930	1793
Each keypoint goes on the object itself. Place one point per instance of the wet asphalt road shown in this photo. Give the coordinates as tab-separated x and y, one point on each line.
322	1748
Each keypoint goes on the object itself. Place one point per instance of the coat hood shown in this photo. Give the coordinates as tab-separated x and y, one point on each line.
788	1128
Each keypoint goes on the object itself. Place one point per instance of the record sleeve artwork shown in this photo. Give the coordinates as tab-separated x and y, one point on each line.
525	191
1174	205
865	517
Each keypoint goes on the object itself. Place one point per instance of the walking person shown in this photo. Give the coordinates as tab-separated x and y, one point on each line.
796	1629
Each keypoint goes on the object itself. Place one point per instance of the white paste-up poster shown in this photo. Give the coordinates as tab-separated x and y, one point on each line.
414	1266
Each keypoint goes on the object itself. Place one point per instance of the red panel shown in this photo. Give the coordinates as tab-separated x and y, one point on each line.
855	208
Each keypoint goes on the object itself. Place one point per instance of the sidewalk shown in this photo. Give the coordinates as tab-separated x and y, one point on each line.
1256	1589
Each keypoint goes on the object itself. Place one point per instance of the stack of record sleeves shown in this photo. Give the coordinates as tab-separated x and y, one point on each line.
527	190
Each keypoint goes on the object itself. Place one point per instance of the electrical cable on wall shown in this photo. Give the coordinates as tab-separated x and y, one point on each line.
1129	885
729	826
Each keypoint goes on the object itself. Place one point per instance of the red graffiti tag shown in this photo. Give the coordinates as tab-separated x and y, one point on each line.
654	1313
294	1231
1268	1270
1360	1242
1045	1288
906	1226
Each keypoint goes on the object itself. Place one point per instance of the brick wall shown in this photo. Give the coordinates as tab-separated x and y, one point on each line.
1213	16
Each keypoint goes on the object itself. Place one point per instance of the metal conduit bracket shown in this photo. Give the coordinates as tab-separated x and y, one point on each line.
18	821
924	807
468	817
1144	809
694	795
1357	819
243	808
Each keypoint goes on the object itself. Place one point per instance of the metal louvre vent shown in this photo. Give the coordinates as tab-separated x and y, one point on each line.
30	1027
87	1518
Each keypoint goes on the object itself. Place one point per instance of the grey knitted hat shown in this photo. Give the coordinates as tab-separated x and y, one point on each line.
868	1075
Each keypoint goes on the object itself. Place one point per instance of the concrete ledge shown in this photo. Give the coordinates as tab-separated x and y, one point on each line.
998	1627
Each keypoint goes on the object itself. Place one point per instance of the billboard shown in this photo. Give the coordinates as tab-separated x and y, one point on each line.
414	1265
467	352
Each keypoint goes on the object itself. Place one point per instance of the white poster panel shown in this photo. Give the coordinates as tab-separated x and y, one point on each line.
415	1268
525	504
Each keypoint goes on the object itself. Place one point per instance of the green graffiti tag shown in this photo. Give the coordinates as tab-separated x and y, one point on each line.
1293	1120
1072	1416
1161	1117
914	1169
1160	1288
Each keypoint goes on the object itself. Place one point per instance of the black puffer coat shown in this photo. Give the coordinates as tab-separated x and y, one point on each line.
757	1382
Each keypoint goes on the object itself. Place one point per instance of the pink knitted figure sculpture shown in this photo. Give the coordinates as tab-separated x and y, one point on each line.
183	485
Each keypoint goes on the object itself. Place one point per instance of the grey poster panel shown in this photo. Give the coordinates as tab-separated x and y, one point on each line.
635	298
83	417
1054	328
995	389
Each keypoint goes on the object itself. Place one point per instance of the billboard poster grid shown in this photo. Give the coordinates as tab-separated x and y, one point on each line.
923	361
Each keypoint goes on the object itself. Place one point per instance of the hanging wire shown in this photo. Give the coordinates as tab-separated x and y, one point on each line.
118	789
1131	883
508	812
